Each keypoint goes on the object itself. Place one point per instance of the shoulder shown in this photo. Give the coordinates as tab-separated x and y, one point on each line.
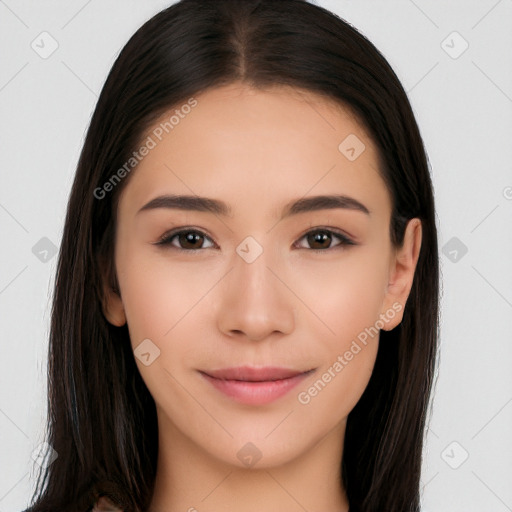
105	505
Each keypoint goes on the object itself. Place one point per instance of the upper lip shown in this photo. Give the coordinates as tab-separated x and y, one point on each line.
252	374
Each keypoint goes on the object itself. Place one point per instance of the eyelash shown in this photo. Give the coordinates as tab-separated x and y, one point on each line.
166	239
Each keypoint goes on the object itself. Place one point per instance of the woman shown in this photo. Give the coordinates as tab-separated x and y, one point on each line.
246	300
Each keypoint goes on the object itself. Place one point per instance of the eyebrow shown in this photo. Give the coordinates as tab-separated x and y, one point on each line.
217	207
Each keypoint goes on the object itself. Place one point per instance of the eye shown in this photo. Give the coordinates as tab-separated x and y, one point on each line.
189	240
320	239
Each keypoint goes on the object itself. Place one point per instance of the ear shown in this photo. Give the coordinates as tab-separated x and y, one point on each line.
401	273
113	308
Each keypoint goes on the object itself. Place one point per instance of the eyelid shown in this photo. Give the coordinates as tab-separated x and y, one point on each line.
164	240
345	240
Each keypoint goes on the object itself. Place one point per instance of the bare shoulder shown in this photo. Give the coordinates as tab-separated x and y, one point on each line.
105	505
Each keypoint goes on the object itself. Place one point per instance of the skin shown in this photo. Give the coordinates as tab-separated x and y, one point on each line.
292	306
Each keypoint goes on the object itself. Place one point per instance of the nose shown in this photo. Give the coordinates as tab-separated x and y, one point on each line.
254	300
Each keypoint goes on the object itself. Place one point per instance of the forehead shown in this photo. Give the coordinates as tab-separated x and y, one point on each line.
249	145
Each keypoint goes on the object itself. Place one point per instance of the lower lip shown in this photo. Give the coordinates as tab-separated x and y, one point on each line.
256	393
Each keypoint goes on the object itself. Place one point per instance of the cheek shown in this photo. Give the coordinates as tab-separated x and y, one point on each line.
347	297
345	294
162	301
338	296
157	294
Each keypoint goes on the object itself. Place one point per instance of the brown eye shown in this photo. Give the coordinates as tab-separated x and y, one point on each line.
190	240
321	239
186	240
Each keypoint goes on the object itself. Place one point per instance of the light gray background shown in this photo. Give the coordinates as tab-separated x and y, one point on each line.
463	105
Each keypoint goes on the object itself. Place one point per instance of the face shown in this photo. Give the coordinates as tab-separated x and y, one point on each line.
257	321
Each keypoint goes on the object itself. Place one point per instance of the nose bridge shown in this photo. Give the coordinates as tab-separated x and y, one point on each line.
252	263
253	300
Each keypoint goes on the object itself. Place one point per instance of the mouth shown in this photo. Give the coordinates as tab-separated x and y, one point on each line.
255	386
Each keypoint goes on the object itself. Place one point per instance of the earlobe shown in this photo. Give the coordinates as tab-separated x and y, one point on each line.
402	271
113	307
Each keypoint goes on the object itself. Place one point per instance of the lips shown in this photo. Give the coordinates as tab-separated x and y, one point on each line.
255	386
251	374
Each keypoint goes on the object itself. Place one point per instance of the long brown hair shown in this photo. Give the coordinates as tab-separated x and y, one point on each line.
101	416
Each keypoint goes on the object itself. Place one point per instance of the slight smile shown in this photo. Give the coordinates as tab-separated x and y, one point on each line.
255	386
